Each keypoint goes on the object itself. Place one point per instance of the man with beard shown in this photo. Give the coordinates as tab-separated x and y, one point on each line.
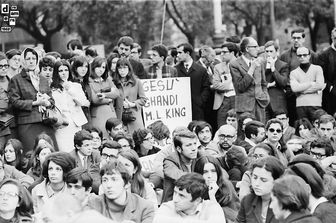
226	135
125	44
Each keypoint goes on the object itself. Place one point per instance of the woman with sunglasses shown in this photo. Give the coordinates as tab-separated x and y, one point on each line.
16	204
274	131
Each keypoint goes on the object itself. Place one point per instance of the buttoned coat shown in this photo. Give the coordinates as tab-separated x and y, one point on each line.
200	87
244	85
21	96
281	77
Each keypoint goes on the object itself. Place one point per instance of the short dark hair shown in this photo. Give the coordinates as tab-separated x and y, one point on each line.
90	51
266	146
231	113
159	129
201	125
252	128
162	50
292	193
111	145
139	136
63	159
318	113
232	47
74	44
273	121
80	174
327	118
305	158
13	52
92	129
233	39
310	175
187	47
194	183
305	122
298	30
177	139
128	137
272	165
111	123
114	166
272	43
126	40
46	61
80	136
323	144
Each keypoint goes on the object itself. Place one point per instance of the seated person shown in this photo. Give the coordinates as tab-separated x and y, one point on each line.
254	134
109	150
321	148
113	126
161	134
188	204
203	131
117	203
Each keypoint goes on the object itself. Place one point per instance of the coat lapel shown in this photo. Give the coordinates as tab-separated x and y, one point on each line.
256	206
243	64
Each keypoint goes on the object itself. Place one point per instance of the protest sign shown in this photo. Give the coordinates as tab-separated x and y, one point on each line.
169	100
147	163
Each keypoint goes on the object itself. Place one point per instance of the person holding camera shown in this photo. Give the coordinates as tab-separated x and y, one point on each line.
103	95
224	99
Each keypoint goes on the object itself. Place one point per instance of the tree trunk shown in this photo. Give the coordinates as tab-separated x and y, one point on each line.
47	43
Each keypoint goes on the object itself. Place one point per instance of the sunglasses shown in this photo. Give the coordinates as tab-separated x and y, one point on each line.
4	66
275	130
302	55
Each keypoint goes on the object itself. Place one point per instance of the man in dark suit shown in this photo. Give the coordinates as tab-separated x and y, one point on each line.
125	45
86	156
199	79
277	76
248	76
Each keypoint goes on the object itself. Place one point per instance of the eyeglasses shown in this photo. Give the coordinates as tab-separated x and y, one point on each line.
222	136
275	130
252	46
149	138
4	66
296	38
8	194
257	156
225	52
302	55
269	51
317	155
107	156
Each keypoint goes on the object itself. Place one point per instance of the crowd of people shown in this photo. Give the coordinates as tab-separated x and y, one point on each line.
261	146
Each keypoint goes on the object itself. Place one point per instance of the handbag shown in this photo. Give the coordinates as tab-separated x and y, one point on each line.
128	115
54	117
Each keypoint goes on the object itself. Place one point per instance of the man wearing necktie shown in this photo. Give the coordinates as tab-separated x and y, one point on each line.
199	79
250	82
86	156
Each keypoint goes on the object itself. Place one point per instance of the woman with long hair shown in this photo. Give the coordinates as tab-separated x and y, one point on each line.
138	183
104	93
144	142
16	204
69	99
13	153
133	96
221	189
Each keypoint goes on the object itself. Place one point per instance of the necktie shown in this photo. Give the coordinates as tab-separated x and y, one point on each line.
186	67
85	162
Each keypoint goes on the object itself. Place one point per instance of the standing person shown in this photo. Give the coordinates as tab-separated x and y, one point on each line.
125	45
307	82
46	65
255	206
327	61
224	99
5	131
199	79
69	99
160	69
277	76
133	97
290	200
14	61
248	76
289	56
80	74
104	93
29	94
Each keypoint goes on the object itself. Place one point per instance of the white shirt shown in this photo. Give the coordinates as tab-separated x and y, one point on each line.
319	201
